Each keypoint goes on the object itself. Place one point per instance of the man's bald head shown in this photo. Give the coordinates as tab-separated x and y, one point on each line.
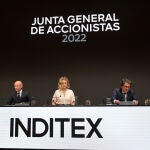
18	85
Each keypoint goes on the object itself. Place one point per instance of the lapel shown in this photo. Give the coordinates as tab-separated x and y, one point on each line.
128	95
122	96
15	94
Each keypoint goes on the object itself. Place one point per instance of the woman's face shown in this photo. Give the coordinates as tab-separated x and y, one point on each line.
64	84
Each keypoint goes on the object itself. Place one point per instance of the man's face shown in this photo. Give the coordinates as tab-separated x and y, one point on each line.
17	86
126	87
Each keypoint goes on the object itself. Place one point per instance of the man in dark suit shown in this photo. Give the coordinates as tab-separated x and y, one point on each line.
124	93
19	96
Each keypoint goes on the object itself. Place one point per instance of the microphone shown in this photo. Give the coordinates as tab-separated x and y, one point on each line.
56	99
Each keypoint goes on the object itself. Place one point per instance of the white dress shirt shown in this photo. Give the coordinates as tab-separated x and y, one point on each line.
60	98
20	93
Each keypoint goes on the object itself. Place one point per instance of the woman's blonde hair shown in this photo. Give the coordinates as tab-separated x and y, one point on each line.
60	81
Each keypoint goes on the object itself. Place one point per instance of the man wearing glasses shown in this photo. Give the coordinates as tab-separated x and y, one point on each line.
124	93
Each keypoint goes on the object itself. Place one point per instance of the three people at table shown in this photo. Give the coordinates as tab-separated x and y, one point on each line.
124	93
63	95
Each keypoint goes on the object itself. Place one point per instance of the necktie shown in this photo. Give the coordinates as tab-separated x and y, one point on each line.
18	94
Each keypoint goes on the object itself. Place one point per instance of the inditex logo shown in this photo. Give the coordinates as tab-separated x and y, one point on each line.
48	127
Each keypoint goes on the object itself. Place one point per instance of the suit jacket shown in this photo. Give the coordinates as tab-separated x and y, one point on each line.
25	97
117	94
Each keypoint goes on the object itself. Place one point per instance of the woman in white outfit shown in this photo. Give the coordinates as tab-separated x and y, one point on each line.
63	95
